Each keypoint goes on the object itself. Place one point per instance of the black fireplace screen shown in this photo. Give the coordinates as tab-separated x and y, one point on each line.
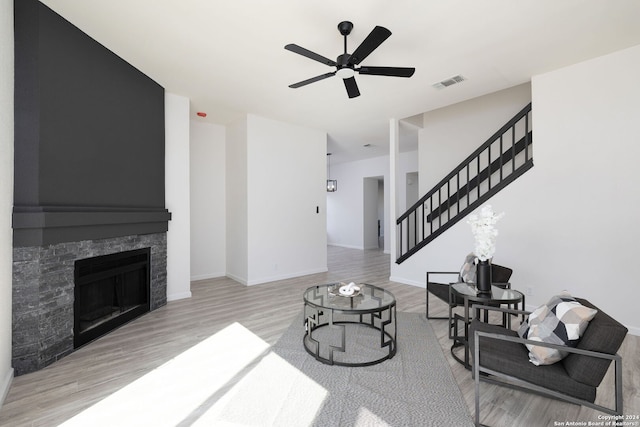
110	290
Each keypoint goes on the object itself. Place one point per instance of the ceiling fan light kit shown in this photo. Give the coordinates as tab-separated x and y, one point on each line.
345	73
346	63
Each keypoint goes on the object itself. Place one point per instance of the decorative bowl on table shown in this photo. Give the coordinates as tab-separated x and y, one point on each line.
345	289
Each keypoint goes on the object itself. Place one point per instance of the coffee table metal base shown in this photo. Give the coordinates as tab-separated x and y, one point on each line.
383	321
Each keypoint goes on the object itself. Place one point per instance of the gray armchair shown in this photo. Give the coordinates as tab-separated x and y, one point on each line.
500	357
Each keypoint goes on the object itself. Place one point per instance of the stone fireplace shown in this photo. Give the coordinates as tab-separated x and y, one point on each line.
43	293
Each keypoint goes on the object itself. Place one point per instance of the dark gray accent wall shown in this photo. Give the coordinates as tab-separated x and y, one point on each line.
89	137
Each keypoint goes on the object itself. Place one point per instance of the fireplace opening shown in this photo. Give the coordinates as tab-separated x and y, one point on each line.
110	290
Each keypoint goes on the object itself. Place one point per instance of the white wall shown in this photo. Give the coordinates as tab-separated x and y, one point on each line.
236	202
286	200
6	191
208	216
412	188
589	161
571	221
345	207
177	195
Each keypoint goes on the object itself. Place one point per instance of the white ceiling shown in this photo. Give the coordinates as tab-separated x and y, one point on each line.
228	57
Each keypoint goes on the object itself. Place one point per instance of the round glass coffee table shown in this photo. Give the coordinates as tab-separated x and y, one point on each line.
358	330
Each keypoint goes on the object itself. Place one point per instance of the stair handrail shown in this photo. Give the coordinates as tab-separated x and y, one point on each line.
481	176
466	161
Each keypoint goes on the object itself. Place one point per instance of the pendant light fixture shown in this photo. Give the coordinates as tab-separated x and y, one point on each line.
332	184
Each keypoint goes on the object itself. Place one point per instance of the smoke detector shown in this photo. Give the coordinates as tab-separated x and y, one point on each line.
449	82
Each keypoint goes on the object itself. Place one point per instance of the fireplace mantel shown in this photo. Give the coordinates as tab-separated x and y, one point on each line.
38	226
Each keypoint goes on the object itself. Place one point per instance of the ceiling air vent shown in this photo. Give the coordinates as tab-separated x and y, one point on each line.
450	81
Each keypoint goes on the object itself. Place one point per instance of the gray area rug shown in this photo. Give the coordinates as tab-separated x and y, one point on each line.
288	387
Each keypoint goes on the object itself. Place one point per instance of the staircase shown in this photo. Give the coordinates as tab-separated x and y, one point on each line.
494	165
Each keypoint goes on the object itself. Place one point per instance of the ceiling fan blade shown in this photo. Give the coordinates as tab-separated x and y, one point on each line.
311	55
311	80
387	71
373	40
352	87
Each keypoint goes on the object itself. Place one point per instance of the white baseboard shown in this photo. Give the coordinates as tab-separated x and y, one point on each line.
345	246
633	330
407	281
207	276
240	280
268	279
181	295
5	385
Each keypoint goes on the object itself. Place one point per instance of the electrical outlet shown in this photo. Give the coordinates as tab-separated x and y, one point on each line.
529	291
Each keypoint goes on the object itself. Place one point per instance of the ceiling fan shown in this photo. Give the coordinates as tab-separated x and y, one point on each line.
346	63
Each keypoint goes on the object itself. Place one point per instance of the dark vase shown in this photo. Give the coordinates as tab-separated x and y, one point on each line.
483	276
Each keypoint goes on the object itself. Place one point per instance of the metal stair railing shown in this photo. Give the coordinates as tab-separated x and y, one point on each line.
505	156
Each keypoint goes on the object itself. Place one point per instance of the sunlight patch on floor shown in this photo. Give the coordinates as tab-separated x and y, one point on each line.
172	392
273	393
368	418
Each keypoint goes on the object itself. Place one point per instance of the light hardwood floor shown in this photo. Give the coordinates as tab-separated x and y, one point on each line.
55	394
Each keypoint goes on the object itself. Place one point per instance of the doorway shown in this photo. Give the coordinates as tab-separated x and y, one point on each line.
374	221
